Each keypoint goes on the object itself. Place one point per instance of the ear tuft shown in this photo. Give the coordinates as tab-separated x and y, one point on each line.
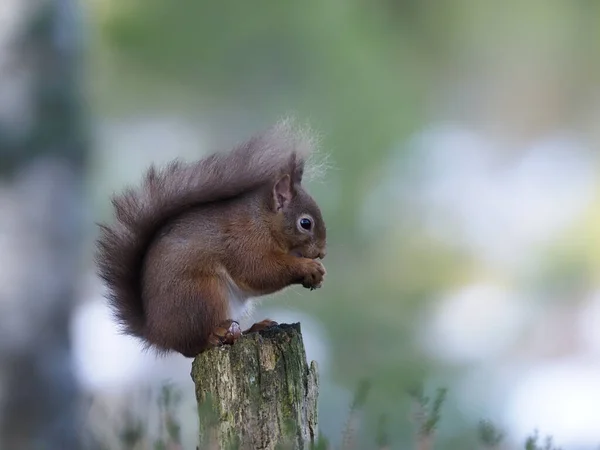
282	192
296	169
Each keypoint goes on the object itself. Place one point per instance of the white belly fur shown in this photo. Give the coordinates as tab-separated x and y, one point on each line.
240	303
240	307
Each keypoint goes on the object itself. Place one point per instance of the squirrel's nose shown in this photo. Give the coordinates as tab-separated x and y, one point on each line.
322	254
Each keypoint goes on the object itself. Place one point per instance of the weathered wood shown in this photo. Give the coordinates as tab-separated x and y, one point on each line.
259	393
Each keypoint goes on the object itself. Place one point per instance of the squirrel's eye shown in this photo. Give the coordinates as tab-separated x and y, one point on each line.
306	223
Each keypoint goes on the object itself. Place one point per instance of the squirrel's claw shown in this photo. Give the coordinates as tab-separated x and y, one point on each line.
226	333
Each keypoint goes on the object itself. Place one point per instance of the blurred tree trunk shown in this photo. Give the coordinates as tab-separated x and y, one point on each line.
258	393
43	151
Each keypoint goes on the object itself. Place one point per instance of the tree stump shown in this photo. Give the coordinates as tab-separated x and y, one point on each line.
259	393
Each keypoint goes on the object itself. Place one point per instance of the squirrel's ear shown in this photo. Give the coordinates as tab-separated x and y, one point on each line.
282	192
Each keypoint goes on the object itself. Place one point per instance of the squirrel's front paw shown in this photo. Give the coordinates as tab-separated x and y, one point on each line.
314	275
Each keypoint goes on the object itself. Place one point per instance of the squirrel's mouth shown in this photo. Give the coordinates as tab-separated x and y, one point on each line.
296	253
315	255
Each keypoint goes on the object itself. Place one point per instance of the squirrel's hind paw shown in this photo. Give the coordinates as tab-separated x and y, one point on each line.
226	333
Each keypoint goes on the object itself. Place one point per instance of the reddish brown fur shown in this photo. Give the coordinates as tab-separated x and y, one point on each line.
194	236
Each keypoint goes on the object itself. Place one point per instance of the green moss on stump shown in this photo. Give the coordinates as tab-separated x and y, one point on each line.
258	393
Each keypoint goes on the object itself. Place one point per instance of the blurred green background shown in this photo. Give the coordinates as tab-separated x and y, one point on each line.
438	119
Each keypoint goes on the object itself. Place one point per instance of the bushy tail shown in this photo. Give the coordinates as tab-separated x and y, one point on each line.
166	193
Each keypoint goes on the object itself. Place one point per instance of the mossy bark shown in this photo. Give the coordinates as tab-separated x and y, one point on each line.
259	393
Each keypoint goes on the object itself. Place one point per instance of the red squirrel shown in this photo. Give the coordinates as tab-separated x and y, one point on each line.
195	241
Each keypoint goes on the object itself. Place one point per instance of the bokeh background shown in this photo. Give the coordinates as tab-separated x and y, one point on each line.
462	195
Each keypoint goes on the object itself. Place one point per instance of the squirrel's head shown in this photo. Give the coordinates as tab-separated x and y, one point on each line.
299	219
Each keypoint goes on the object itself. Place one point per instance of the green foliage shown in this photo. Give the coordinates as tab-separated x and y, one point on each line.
134	435
383	438
360	395
533	442
168	401
428	412
489	436
352	423
133	431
